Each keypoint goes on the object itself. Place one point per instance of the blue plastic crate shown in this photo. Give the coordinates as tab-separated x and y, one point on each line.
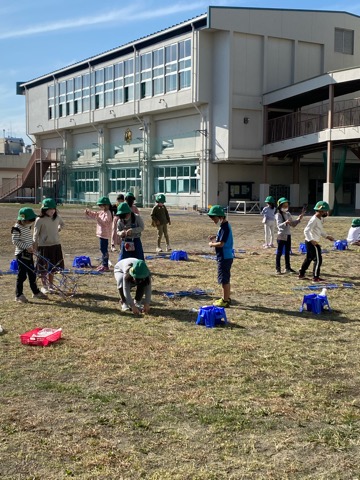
178	255
210	316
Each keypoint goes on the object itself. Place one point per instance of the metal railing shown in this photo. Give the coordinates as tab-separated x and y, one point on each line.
48	155
303	123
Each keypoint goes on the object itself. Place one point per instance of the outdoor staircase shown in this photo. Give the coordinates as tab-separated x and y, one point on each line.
33	174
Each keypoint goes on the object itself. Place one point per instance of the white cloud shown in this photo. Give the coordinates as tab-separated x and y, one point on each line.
132	13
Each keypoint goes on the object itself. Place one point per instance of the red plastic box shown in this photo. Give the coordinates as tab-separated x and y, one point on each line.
41	336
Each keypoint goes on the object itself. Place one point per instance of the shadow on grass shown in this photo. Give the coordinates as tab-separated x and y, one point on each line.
186	316
165	275
328	316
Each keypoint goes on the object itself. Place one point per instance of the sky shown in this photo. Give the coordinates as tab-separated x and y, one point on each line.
40	36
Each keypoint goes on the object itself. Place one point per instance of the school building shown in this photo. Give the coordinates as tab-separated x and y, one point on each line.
234	104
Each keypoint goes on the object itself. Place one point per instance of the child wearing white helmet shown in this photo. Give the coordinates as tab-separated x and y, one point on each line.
161	219
313	231
223	244
353	237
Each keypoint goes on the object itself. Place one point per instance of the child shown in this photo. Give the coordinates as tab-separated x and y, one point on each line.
353	237
161	219
284	222
115	239
104	220
313	231
223	244
129	228
130	273
22	239
268	214
47	243
130	199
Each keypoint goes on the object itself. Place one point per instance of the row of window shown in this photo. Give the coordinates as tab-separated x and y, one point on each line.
180	179
160	71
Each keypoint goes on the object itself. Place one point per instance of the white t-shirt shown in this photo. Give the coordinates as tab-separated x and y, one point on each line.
353	235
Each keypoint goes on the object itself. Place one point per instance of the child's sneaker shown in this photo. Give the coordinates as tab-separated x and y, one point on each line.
318	279
40	295
278	272
222	303
301	276
125	307
21	299
139	305
158	250
168	248
102	268
290	270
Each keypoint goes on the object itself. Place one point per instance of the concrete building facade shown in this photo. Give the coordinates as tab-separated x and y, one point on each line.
184	111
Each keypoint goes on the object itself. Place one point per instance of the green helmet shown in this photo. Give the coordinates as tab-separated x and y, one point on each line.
322	206
123	208
216	211
355	222
139	269
281	201
48	203
160	198
270	199
26	214
103	201
129	194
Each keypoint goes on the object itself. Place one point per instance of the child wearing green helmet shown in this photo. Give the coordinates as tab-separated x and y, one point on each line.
104	219
268	213
130	200
223	244
133	273
24	248
47	242
353	236
161	219
313	231
284	221
129	229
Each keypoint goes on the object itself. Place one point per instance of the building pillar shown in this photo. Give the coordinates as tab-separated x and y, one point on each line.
263	192
67	188
357	199
295	194
329	194
103	136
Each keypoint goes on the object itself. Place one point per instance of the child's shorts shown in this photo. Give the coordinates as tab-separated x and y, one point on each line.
224	267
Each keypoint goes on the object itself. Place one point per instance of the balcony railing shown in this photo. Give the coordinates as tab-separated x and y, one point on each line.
303	123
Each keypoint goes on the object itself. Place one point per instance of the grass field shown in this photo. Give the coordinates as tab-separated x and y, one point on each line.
273	395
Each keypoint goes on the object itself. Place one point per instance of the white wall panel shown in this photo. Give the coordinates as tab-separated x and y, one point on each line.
279	63
247	64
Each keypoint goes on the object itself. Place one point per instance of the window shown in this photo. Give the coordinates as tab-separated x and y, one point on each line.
344	41
176	179
51	101
86	181
171	68
166	69
122	179
145	75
